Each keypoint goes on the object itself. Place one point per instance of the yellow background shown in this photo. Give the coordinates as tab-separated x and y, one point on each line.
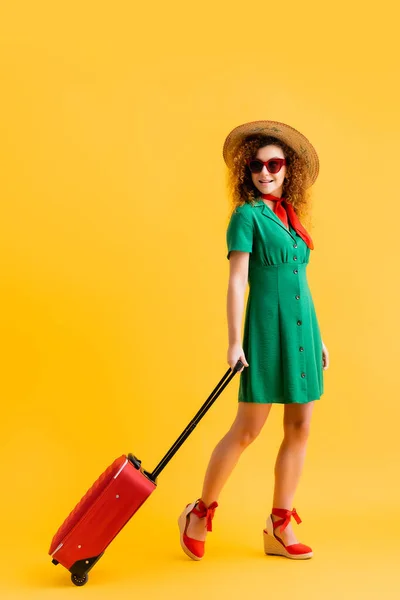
114	278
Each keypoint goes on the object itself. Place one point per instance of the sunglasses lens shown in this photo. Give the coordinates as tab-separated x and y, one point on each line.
274	166
255	166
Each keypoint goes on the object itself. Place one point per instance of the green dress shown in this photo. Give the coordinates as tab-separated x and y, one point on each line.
281	340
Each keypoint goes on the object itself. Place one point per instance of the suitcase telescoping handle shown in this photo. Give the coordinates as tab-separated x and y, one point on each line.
196	419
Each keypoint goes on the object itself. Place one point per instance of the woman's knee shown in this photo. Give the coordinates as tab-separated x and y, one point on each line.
244	436
249	423
297	431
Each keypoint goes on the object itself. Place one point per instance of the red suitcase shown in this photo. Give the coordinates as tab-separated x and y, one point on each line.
112	500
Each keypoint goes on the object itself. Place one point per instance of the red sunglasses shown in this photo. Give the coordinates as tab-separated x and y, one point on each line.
274	165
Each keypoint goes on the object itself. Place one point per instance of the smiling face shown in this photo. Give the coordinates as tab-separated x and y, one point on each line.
266	182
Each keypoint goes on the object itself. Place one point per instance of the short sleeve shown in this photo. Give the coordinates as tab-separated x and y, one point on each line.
239	235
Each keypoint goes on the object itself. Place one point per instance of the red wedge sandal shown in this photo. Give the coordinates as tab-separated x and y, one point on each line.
195	548
274	545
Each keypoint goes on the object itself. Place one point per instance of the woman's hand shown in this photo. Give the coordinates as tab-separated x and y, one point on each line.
325	356
235	353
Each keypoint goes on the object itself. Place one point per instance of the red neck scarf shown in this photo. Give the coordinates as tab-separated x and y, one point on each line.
284	210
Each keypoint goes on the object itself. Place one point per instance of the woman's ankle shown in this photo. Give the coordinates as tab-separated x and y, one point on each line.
207	502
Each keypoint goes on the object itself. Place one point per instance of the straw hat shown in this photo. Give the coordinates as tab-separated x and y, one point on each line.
286	133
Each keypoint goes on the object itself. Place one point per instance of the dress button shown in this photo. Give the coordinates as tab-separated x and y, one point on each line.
303	375
294	257
301	349
297	297
295	271
298	322
294	245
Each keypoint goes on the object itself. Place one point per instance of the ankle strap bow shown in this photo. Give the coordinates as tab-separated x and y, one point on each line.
286	516
201	510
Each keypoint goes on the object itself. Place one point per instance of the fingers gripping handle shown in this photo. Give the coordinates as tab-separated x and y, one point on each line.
238	366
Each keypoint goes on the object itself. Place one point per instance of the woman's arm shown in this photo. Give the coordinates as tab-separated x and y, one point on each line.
238	279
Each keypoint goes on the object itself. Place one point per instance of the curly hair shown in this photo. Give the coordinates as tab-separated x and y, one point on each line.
242	189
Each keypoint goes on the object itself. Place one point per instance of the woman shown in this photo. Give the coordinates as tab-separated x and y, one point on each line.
271	165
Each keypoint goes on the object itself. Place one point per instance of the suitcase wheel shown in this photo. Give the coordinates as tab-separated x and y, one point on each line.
77	580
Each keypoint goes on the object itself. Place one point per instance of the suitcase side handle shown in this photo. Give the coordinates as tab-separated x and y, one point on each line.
196	419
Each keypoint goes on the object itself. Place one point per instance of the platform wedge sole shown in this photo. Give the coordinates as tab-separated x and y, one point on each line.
274	547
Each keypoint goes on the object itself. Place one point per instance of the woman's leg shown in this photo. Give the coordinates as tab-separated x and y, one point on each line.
290	460
247	425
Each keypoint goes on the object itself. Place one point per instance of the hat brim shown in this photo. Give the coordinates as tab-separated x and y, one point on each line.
290	136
